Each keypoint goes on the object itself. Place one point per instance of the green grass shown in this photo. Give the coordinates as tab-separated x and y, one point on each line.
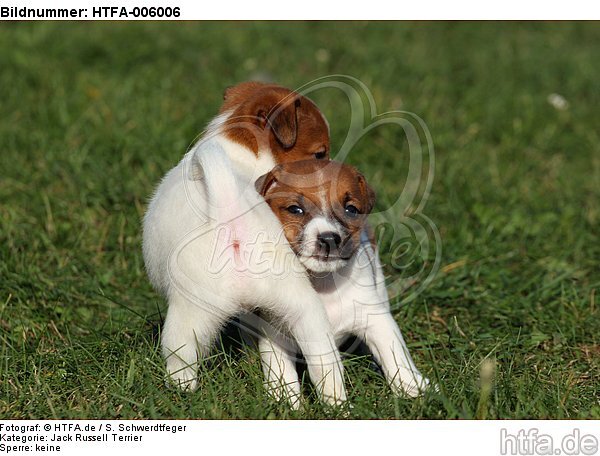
93	114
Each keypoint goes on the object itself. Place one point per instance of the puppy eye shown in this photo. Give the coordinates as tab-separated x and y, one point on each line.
351	211
296	210
321	154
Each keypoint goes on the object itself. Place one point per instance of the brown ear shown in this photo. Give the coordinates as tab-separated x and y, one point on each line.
284	123
367	193
265	182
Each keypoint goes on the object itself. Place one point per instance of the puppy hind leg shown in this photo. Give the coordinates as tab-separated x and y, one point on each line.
279	369
188	334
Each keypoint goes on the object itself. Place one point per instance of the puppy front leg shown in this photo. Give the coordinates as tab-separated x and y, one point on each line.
384	339
313	336
279	368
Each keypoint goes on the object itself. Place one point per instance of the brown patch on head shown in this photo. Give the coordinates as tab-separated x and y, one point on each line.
319	188
267	116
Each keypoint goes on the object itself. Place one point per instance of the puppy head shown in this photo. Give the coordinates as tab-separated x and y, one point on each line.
267	116
323	206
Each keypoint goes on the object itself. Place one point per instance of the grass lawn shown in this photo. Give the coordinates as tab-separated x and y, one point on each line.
93	114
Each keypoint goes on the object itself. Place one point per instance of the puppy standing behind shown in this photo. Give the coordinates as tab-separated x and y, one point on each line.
322	206
206	215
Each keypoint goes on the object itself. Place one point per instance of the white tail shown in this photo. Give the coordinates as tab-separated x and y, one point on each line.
211	165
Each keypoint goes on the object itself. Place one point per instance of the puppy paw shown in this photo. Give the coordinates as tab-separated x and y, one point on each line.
415	387
184	379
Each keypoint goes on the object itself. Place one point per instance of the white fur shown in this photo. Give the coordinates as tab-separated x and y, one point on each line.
202	209
357	303
308	250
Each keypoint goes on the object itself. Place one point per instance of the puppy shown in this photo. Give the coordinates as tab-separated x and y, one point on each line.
322	206
210	242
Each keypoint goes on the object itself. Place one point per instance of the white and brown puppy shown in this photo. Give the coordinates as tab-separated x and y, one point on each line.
322	206
202	226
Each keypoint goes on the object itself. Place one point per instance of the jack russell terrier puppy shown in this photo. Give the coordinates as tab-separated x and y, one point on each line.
322	206
207	232
213	246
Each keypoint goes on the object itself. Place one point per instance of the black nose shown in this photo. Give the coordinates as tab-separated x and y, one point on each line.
329	241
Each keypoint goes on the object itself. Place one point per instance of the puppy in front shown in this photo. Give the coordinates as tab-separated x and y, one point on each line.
205	218
323	206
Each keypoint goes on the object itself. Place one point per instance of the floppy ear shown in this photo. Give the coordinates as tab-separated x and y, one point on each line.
265	182
284	123
368	194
